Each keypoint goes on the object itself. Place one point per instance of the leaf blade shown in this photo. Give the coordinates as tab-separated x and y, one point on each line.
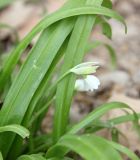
18	129
96	114
87	146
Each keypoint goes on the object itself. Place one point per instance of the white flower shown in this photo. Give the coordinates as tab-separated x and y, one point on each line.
90	83
85	68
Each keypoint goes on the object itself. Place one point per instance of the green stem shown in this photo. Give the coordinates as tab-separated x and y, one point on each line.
43	109
60	79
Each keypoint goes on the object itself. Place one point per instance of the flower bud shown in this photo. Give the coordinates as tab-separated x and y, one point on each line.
85	68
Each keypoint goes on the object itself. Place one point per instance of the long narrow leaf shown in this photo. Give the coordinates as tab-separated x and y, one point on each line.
98	125
87	146
31	157
124	150
65	158
123	119
20	130
96	114
1	158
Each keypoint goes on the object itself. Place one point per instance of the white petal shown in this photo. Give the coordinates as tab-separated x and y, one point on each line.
93	82
89	84
80	85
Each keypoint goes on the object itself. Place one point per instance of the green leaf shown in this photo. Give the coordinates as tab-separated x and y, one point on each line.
106	27
112	55
65	158
31	157
123	119
45	93
1	158
96	114
98	124
115	134
18	129
107	3
88	147
124	150
107	30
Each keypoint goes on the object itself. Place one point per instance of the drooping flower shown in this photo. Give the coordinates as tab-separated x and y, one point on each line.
85	68
90	83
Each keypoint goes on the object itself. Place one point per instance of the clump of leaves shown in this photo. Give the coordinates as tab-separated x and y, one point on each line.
27	97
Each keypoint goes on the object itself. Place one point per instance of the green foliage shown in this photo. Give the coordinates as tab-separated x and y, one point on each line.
23	132
64	38
31	157
89	146
1	158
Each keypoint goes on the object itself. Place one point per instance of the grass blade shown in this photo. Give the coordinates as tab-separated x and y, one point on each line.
20	130
1	158
124	150
87	146
96	114
31	157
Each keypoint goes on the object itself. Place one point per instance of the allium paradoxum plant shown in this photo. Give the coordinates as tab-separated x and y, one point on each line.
64	35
